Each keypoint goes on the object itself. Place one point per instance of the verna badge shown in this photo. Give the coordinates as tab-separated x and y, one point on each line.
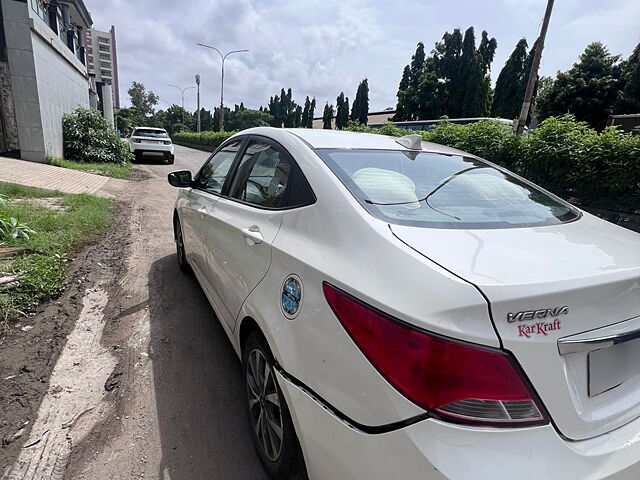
537	314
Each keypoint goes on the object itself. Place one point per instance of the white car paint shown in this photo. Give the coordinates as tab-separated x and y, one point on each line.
151	140
453	282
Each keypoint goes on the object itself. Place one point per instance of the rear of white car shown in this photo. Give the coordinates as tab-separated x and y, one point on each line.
150	140
454	321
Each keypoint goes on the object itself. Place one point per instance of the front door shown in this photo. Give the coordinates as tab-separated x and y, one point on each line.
245	223
200	203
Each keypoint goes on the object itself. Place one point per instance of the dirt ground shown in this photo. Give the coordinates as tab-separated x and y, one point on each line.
128	374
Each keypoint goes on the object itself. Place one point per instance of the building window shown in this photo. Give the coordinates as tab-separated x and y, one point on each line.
104	48
39	7
103	40
105	65
105	56
105	73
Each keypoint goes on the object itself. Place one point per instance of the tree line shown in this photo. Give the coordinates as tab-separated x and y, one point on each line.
454	80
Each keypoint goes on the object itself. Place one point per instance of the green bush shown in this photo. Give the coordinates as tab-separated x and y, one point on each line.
566	157
88	137
208	139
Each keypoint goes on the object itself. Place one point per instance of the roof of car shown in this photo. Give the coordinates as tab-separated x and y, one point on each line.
320	138
151	128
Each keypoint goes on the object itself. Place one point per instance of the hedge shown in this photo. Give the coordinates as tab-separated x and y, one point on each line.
568	158
204	140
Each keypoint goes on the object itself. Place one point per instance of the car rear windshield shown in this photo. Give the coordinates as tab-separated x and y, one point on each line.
145	132
443	191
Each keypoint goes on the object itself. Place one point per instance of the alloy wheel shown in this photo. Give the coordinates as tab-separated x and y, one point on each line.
264	405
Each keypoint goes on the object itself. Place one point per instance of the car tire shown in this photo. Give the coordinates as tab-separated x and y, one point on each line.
270	423
180	252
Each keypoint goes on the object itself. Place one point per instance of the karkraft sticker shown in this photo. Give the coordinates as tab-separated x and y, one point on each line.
291	296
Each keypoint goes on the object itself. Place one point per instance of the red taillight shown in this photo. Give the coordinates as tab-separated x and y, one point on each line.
458	381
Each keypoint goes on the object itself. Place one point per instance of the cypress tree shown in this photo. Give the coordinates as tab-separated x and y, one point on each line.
360	107
402	107
305	112
509	92
327	116
312	109
340	109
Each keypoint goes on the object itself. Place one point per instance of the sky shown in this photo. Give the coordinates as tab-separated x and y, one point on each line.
322	47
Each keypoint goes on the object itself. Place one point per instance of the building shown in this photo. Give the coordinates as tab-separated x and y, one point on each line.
102	65
42	73
629	123
373	117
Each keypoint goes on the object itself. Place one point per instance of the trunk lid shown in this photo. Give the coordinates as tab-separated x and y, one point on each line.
577	283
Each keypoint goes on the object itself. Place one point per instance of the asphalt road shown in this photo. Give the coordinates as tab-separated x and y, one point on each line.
177	411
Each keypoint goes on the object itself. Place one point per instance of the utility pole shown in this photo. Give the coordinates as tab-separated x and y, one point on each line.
533	73
198	84
182	90
223	58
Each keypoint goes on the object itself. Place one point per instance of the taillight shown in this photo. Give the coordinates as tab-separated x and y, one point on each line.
456	381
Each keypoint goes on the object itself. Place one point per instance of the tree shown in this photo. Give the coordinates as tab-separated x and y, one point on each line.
360	107
305	112
327	116
312	110
509	92
177	119
142	101
453	80
342	111
403	110
629	101
247	118
589	90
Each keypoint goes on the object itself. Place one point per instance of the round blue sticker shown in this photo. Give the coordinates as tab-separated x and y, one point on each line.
291	296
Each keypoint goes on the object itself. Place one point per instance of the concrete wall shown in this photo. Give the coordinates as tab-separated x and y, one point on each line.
61	89
47	80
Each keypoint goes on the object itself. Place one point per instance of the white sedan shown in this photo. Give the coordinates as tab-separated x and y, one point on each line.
406	310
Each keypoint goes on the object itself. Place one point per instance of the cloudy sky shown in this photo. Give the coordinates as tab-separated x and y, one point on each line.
321	47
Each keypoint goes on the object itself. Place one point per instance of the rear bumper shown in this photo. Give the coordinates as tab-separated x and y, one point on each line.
432	449
151	148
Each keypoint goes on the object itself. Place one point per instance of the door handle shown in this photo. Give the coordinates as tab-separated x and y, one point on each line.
202	212
252	234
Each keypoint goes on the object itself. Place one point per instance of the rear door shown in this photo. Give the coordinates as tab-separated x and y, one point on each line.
246	221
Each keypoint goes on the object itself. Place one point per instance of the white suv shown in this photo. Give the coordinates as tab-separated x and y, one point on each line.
151	140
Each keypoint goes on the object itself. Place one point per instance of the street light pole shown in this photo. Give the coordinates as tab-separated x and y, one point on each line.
182	90
198	84
223	58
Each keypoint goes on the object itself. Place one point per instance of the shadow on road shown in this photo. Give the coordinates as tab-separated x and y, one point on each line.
198	384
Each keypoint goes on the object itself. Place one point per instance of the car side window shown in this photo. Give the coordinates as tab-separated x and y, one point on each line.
262	176
214	173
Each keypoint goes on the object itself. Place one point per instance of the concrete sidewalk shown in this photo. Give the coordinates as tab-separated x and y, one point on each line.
49	177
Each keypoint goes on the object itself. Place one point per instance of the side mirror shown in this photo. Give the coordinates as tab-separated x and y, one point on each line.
180	178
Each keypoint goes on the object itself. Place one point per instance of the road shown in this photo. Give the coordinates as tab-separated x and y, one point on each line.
177	410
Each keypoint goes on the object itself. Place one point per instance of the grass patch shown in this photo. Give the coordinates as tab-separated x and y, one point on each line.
114	170
13	190
84	218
